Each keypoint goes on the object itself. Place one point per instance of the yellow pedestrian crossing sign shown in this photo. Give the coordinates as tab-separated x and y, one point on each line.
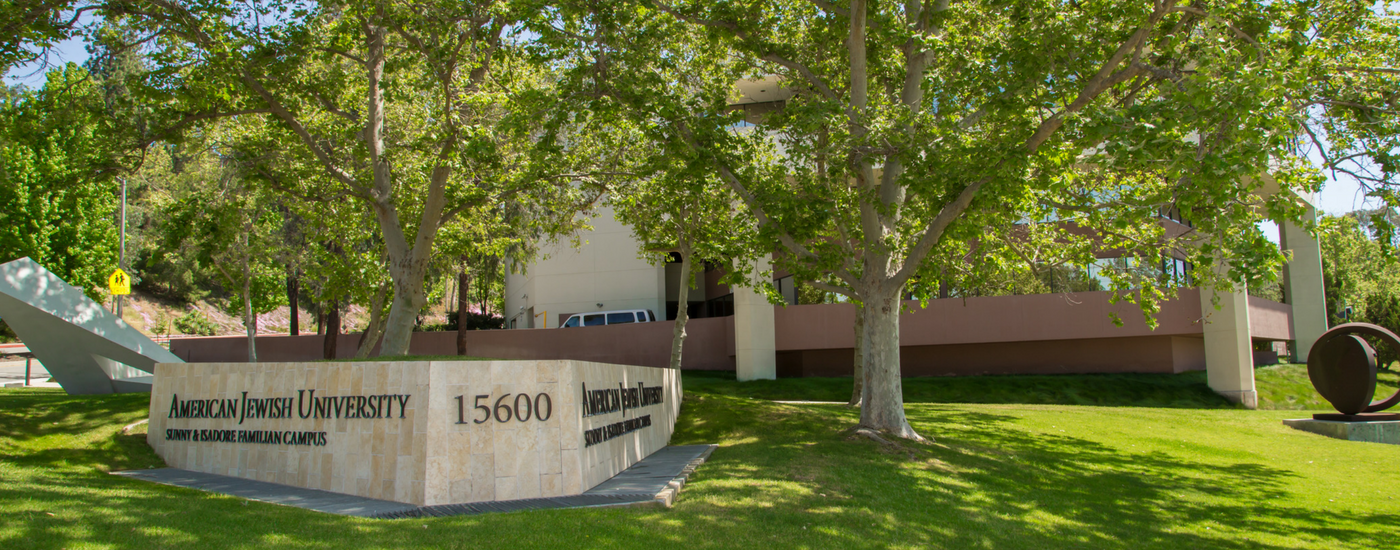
119	282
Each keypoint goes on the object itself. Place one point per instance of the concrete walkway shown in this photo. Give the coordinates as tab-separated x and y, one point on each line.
655	479
310	499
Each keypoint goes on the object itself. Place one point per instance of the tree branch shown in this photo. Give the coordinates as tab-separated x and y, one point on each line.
830	288
935	229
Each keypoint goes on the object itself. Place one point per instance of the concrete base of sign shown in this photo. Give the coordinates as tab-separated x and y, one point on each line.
1383	431
422	433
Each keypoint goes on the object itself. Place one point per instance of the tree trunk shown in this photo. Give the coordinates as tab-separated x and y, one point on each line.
408	263
375	329
462	279
858	375
250	322
293	319
332	331
882	403
398	332
682	310
320	320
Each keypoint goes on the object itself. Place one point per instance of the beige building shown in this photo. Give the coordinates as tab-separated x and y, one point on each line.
604	273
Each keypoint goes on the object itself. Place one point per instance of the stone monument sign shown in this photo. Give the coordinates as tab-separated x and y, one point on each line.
424	433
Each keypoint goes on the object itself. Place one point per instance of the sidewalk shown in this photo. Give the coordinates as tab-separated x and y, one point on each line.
12	375
655	479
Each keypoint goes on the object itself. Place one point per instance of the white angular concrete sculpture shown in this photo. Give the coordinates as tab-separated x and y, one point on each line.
86	348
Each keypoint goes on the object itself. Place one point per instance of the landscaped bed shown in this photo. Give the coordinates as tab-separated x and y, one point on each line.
999	475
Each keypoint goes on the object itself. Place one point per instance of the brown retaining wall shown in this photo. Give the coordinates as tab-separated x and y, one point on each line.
1042	334
709	345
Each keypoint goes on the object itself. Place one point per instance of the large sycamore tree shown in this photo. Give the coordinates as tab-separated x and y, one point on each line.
922	143
403	106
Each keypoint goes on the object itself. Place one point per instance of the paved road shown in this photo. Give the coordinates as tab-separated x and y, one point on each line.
13	371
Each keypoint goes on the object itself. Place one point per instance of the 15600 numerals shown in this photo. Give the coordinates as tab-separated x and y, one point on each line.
541	407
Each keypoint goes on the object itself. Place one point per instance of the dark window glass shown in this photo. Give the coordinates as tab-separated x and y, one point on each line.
594	320
573	322
620	318
722	306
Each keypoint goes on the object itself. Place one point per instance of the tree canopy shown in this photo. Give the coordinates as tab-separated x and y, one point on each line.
921	142
58	187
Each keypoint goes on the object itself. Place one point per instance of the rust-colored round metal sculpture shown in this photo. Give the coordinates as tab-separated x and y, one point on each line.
1342	366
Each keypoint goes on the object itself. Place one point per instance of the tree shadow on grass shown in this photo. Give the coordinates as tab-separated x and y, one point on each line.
993	484
1107	498
785	476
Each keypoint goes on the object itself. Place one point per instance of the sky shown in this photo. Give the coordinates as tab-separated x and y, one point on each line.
1338	196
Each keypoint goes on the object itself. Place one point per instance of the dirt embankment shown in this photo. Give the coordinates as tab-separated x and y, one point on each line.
144	312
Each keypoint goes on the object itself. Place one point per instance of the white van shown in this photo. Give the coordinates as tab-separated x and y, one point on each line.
610	318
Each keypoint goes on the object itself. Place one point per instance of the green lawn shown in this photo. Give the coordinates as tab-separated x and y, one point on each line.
1000	475
1280	387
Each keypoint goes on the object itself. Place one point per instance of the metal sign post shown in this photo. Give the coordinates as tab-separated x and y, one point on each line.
121	253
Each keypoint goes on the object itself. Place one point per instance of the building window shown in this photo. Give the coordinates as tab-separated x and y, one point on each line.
1173	213
722	306
1177	271
787	286
755	113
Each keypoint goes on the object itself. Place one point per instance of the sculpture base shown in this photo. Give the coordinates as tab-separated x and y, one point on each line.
1363	417
1373	431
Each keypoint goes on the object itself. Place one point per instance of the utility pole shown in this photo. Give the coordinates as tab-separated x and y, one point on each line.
121	250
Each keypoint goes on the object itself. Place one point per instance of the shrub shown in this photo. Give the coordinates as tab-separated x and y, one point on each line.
194	322
161	324
476	321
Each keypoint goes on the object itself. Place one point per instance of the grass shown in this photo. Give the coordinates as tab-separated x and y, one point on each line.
1288	387
1280	387
1000	475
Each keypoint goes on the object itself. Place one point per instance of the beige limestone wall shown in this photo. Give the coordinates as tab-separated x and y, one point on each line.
755	341
605	268
431	448
1303	285
1228	350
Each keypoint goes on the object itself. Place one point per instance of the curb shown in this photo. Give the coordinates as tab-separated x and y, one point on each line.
667	496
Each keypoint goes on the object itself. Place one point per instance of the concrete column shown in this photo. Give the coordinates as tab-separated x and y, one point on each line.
1302	285
755	350
1229	355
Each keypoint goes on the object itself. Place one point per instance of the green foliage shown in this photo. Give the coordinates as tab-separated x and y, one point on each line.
195	323
409	111
58	195
162	323
911	145
1361	272
232	227
475	321
981	126
29	27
